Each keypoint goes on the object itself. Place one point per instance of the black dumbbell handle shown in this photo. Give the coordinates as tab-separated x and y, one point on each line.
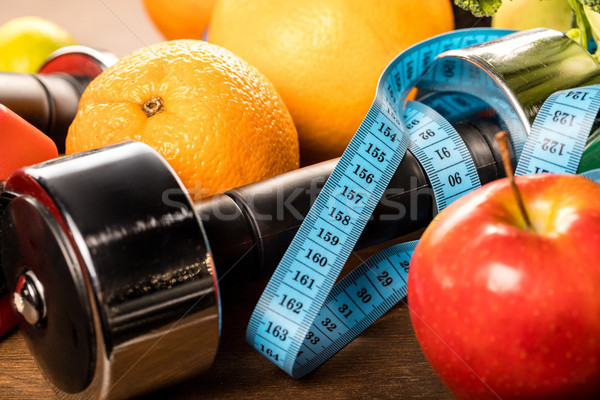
48	102
250	227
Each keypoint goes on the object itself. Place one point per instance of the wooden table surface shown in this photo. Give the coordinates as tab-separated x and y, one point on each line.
384	362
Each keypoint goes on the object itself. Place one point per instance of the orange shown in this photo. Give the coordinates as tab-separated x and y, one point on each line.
217	120
180	19
325	56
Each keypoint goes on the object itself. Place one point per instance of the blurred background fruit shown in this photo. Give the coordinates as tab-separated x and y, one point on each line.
527	14
25	43
118	26
218	121
325	56
180	19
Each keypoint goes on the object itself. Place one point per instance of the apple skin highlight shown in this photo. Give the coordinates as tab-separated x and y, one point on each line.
506	312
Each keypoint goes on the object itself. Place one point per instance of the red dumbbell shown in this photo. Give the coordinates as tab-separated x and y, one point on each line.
21	144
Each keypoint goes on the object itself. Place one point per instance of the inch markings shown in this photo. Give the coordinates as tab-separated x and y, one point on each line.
366	167
560	131
443	154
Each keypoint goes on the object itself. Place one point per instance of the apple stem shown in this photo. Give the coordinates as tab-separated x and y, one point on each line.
504	144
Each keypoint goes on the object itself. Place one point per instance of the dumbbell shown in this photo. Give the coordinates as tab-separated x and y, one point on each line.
32	105
49	99
114	269
107	255
22	144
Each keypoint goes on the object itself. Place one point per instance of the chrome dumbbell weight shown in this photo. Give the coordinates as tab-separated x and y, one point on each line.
108	261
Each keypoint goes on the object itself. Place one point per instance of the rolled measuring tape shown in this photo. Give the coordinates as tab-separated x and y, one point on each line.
302	319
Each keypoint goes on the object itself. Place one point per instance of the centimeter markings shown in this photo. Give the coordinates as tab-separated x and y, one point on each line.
560	131
289	308
379	283
355	303
442	153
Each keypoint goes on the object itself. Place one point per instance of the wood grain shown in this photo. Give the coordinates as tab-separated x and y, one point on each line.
384	362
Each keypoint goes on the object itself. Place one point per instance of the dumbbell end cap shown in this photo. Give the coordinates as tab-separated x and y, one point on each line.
78	61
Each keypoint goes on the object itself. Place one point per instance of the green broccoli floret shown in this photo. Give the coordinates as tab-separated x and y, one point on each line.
587	21
586	17
487	8
592	20
594	5
481	8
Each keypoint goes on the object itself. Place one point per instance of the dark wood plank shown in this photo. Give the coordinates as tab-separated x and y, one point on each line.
19	376
384	362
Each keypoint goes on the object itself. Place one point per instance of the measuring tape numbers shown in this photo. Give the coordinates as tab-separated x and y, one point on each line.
379	283
357	301
284	323
560	131
442	153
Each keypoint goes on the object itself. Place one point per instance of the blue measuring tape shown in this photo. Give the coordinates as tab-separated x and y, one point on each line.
560	131
301	319
441	152
593	174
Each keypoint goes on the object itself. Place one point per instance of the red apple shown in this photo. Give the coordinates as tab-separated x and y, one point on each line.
505	312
